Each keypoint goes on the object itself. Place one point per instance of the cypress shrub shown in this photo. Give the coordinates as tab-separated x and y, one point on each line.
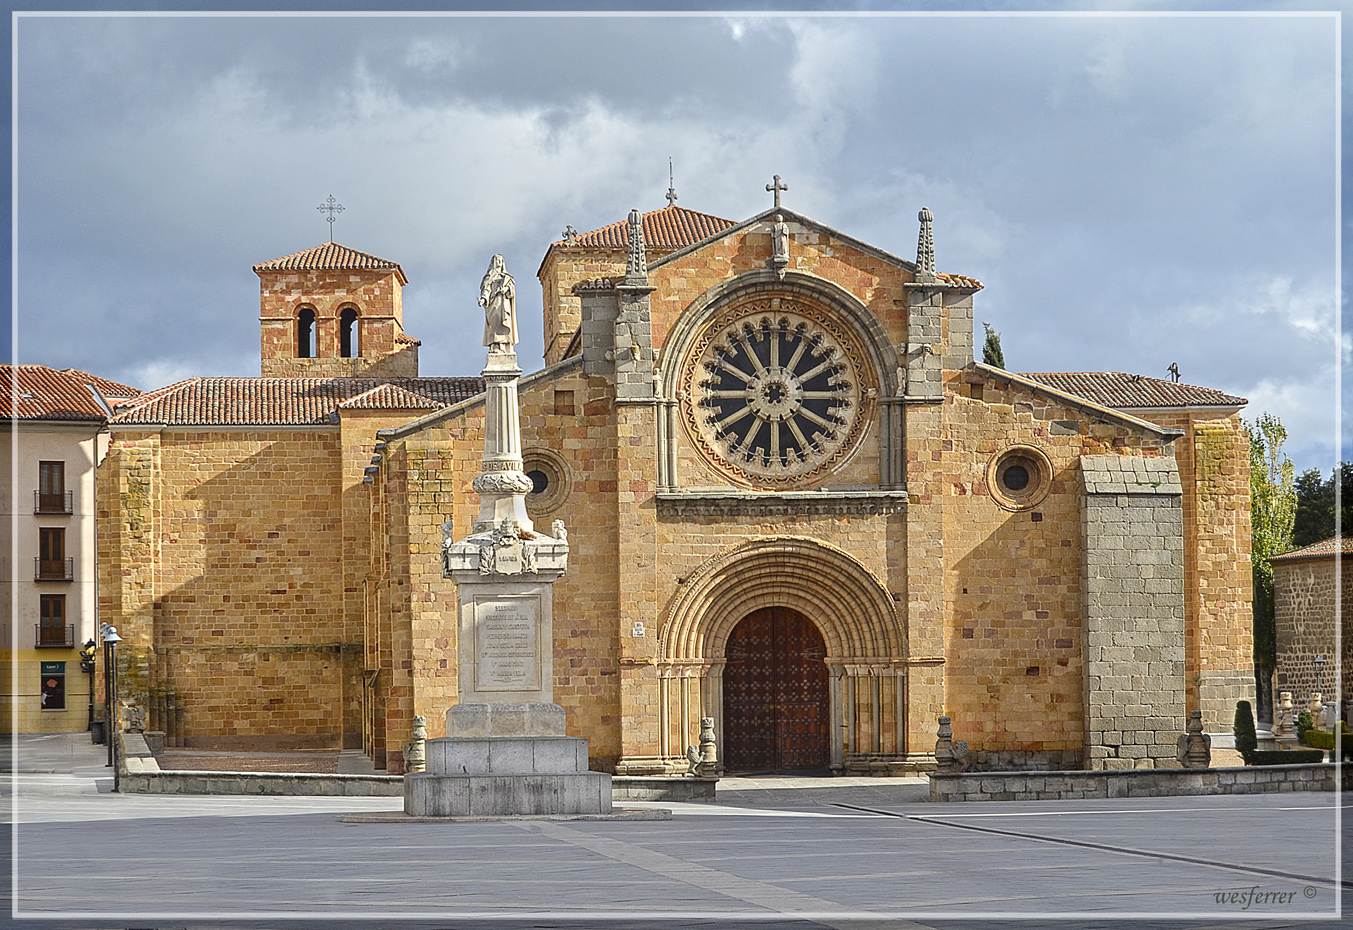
1246	740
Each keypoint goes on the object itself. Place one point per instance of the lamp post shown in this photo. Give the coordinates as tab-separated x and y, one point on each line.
110	641
87	653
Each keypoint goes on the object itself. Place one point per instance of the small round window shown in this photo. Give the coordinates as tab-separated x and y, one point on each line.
549	480
1019	478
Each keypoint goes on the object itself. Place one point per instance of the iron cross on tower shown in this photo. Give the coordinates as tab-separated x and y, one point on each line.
777	187
333	208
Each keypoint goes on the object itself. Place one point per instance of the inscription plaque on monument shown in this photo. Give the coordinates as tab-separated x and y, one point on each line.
507	643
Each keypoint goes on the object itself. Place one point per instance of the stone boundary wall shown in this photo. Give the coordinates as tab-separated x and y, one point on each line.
660	788
260	784
1133	783
141	774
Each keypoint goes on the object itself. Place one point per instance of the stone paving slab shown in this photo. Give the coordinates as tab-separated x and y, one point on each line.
796	856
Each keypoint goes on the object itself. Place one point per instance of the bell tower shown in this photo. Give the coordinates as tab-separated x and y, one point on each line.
333	312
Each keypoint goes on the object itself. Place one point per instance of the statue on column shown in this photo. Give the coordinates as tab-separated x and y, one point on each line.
498	297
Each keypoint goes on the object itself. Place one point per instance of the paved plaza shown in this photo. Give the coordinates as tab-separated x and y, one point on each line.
838	853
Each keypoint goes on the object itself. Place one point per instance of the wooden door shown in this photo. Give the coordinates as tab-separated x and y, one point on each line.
776	707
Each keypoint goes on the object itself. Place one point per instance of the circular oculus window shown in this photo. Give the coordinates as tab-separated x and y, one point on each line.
774	395
550	483
1019	478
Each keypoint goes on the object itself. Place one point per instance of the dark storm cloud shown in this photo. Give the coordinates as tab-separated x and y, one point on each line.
1133	191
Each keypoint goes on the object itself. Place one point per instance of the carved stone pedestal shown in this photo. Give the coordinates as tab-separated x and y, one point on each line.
505	753
483	770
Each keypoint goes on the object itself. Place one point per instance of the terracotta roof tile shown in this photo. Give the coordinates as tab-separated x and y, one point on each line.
284	401
407	339
36	392
961	280
1122	390
1323	549
331	257
671	227
390	397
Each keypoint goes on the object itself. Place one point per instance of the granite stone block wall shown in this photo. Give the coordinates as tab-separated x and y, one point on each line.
1133	583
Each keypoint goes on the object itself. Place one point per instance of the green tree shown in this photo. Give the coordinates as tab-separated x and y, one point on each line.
1315	504
1273	504
991	349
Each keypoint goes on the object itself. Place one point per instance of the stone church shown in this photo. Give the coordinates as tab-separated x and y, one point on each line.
795	503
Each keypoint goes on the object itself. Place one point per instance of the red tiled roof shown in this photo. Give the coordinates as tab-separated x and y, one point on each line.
406	338
36	392
671	227
331	257
390	397
1127	391
961	280
1323	549
283	401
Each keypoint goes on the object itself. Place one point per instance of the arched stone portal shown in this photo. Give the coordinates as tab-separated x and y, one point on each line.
776	702
853	612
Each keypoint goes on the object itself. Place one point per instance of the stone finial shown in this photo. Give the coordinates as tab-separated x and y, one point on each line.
1194	750
569	234
709	757
925	245
1284	726
415	751
636	266
135	716
950	754
671	186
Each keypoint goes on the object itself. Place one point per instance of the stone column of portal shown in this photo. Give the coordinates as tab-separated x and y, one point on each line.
505	753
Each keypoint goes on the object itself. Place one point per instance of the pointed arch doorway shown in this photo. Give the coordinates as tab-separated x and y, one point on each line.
776	702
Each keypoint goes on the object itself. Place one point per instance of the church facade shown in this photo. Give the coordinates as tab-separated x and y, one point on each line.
795	503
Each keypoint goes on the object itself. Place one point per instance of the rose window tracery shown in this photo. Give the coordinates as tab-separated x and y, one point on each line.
773	393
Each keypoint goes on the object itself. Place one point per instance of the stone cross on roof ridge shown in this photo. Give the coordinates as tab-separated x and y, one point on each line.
777	187
333	208
671	186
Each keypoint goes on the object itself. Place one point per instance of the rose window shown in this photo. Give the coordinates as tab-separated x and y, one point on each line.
775	396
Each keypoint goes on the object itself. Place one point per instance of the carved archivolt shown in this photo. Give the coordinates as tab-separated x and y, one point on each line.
776	392
851	607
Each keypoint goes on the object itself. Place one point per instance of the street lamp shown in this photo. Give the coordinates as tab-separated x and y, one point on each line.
87	653
110	641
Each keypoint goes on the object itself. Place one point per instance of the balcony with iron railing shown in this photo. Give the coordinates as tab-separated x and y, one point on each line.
54	569
54	637
59	502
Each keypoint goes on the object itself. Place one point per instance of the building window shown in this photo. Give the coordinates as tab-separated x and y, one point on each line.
305	333
52	629
52	496
53	685
550	481
52	564
347	334
1019	478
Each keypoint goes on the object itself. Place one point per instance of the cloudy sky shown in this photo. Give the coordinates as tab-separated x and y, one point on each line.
1132	190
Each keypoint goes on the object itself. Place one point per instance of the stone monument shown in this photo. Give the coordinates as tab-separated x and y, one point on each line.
505	753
